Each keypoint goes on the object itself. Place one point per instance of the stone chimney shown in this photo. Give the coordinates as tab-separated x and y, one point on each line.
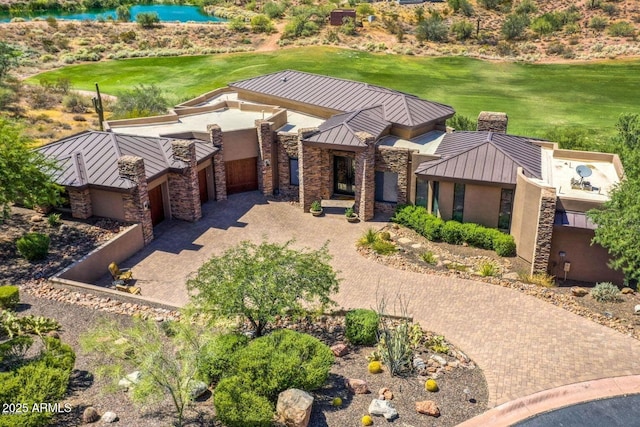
493	122
136	202
219	170
365	177
184	191
265	159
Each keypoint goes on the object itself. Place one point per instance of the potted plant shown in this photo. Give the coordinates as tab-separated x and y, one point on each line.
316	208
351	215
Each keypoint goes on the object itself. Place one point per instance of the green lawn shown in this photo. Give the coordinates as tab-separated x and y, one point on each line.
536	97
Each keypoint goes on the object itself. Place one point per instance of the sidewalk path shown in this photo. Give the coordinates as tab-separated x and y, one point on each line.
522	344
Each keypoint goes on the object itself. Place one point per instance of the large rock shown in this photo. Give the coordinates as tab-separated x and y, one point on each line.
130	379
428	407
383	408
385	394
90	415
109	417
294	407
577	291
357	386
627	291
441	360
636	309
198	388
339	350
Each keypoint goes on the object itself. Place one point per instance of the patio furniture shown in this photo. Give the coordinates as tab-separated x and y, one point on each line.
120	275
135	290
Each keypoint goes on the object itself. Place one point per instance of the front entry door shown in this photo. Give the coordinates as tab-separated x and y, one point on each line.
344	175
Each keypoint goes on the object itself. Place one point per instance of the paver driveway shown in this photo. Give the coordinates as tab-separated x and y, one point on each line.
522	344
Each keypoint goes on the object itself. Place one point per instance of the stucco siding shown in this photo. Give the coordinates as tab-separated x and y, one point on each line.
240	144
482	205
107	204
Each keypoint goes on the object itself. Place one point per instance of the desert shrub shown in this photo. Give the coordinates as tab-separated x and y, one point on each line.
9	296
504	245
274	10
261	24
218	356
432	29
460	122
368	238
147	19
438	344
541	26
452	232
540	279
490	4
128	36
605	292
526	6
429	258
610	9
488	269
462	6
556	48
33	246
462	29
75	103
53	219
622	29
598	23
395	348
384	235
477	235
281	360
384	247
141	101
238	405
514	26
361	326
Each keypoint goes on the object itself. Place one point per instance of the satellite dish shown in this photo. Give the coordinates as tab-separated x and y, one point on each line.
584	171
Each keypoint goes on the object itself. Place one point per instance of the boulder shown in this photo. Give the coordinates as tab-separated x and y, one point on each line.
90	415
577	291
357	386
339	350
441	360
130	379
627	290
385	394
294	407
428	407
198	388
383	408
636	309
37	218
109	417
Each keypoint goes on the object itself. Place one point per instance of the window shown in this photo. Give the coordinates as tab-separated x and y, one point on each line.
294	173
506	205
435	208
422	186
386	187
458	202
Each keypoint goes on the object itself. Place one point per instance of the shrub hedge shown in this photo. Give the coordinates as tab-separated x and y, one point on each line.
433	228
218	356
33	246
9	297
361	326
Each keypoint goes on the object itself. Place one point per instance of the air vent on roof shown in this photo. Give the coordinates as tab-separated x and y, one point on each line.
284	79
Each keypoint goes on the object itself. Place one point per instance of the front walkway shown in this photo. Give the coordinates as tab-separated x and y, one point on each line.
522	344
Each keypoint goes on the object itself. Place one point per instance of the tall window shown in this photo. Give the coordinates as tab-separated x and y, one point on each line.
294	173
422	186
506	206
458	202
435	205
386	187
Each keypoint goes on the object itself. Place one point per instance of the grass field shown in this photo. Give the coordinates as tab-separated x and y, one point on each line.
536	97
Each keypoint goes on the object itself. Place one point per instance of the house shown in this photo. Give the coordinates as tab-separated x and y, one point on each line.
338	16
310	137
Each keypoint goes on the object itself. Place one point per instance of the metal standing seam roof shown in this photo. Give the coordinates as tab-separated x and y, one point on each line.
91	157
484	156
574	219
341	129
346	95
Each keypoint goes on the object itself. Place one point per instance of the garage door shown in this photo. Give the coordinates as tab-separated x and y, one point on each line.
242	175
156	205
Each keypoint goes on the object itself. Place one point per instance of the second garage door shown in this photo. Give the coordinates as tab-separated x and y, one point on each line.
242	175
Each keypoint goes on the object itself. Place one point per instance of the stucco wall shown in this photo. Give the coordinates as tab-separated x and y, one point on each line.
482	205
107	204
240	144
286	103
445	200
588	263
95	264
524	221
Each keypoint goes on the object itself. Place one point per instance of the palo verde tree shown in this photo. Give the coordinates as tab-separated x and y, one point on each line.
168	357
25	175
259	282
141	101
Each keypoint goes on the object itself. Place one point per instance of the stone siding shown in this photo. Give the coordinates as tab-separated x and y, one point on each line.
136	202
80	201
494	122
365	178
385	207
395	160
544	233
287	148
219	170
265	157
184	192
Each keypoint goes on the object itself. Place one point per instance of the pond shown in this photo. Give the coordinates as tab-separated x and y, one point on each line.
174	13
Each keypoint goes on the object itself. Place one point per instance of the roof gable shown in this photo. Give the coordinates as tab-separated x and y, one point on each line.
341	129
346	95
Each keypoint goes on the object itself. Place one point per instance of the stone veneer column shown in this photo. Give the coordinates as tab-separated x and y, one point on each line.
184	191
136	202
493	122
265	157
309	165
80	201
544	233
365	178
219	170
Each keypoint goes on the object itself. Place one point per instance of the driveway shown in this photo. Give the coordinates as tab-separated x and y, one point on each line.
522	344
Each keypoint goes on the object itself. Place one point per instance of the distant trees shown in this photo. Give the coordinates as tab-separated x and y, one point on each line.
147	19
514	26
123	13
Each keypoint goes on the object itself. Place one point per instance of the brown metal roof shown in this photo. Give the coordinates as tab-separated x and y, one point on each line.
574	219
341	129
346	95
484	157
91	158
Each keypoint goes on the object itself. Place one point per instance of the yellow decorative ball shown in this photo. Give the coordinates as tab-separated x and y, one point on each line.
336	401
367	421
431	385
375	367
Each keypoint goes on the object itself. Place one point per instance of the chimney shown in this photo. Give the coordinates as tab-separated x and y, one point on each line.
492	122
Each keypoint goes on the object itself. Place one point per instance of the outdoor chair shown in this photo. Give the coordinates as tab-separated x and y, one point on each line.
119	275
129	289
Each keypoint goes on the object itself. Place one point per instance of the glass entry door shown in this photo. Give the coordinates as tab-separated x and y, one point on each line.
344	175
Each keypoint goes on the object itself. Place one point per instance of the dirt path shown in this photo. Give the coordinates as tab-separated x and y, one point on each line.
271	42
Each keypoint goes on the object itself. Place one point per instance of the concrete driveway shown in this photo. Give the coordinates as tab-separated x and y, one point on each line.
522	344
